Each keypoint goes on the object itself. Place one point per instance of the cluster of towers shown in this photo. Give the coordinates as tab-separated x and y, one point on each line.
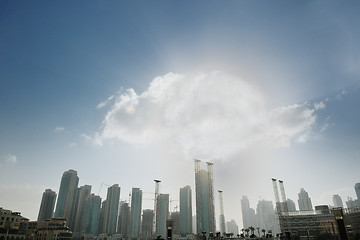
86	213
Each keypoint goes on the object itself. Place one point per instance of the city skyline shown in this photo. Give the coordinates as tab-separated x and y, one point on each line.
126	93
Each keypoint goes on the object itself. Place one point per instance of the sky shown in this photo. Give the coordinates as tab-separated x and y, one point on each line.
131	91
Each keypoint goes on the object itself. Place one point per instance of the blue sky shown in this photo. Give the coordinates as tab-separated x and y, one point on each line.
270	88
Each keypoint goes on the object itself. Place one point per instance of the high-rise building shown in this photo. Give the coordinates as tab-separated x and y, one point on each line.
290	206
222	216
162	214
185	211
175	217
111	209
79	207
357	190
147	224
266	216
135	213
205	209
68	186
124	219
101	228
248	214
304	201
350	203
232	227
337	201
47	205
91	214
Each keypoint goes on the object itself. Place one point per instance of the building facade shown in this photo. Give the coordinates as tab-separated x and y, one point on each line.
248	214
124	219
337	201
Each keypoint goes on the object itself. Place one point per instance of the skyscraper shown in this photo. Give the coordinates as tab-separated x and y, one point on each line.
111	209
79	209
47	205
266	217
185	211
147	224
232	227
124	219
162	214
248	214
357	190
91	214
304	201
135	212
337	201
205	209
222	216
68	186
175	217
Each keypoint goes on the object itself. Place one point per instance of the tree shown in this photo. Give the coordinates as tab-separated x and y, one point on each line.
247	231
263	231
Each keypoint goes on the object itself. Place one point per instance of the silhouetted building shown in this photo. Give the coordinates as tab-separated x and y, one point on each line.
135	212
185	211
304	201
337	201
147	224
68	186
47	205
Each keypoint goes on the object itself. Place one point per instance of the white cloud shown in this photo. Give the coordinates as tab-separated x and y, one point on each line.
10	158
104	103
59	129
208	114
319	105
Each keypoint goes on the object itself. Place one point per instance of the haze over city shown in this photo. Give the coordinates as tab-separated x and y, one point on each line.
127	92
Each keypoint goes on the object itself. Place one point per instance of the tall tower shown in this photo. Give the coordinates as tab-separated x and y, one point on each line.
185	211
91	214
248	214
47	205
162	214
304	201
157	183
111	209
222	216
337	201
135	214
79	210
147	222
124	219
68	186
205	209
357	190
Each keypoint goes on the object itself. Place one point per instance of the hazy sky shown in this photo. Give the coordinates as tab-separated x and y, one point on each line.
130	91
